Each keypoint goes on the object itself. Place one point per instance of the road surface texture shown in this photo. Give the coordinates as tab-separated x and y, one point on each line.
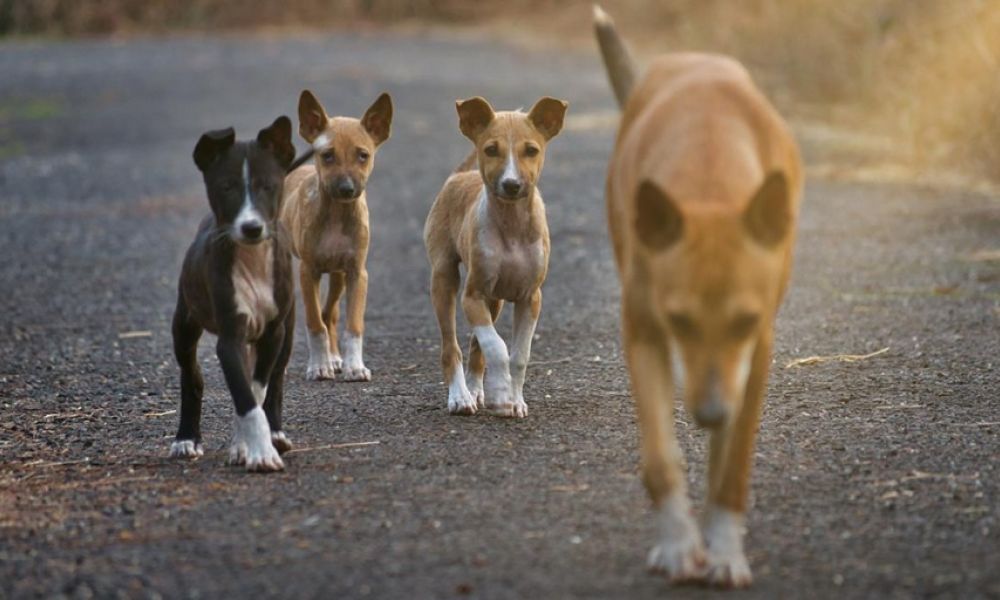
874	478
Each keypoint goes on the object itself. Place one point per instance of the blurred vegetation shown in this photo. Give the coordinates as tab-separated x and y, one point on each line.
924	72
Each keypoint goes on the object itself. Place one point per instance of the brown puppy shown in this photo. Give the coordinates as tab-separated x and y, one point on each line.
493	220
326	212
703	192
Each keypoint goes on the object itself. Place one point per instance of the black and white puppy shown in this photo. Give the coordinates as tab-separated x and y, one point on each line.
236	282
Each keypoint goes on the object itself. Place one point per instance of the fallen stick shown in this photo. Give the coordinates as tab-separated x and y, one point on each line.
334	446
160	414
812	360
128	335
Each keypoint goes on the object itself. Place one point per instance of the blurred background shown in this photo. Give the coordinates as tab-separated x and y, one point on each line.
904	89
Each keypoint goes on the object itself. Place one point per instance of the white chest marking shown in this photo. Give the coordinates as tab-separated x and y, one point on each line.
253	288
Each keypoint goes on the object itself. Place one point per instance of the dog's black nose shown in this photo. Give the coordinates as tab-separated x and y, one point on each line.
345	188
252	230
510	187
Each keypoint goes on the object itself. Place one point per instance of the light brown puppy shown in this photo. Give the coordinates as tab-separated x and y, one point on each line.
325	209
492	219
702	192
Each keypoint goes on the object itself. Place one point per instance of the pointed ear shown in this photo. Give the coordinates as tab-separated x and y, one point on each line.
378	119
474	116
211	145
277	139
768	218
547	116
659	223
312	117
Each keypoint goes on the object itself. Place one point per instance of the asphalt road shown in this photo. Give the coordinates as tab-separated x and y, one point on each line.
877	478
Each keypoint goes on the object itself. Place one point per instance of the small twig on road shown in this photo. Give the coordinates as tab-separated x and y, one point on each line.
65	415
334	446
160	414
141	333
812	360
62	463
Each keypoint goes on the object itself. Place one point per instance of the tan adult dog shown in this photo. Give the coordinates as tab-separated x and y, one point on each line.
325	209
702	192
492	219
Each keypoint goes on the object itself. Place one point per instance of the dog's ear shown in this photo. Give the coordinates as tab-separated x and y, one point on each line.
474	116
278	140
211	145
547	116
658	221
378	119
768	218
312	117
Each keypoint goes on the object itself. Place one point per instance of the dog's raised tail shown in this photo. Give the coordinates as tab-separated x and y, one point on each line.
617	58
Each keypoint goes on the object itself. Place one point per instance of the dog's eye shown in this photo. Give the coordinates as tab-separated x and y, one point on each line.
363	155
327	156
531	151
683	325
492	150
743	325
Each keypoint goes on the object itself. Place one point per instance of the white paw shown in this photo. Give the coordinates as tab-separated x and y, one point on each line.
252	445
476	389
336	363
460	399
319	371
186	449
356	373
680	555
280	442
727	564
500	402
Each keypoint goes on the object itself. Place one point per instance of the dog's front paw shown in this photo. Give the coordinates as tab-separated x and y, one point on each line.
680	555
280	442
727	564
320	370
252	445
678	560
263	459
186	449
337	363
356	373
476	390
500	400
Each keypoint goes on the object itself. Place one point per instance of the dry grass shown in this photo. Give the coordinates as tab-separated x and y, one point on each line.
924	72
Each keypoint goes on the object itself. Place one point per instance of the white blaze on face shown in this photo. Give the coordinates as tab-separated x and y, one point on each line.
321	142
248	212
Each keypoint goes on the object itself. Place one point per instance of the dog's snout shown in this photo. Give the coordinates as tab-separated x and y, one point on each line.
712	411
510	187
346	188
252	230
711	414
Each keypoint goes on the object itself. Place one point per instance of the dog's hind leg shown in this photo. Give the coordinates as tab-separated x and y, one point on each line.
679	554
477	364
445	280
331	314
730	462
186	334
320	363
276	388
